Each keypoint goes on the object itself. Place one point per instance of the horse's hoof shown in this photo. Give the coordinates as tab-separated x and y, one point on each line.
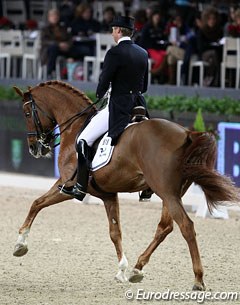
20	250
121	278
136	276
199	287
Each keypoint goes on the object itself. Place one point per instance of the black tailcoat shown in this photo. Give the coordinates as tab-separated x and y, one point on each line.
125	67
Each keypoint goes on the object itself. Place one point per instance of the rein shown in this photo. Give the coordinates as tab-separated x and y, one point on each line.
46	138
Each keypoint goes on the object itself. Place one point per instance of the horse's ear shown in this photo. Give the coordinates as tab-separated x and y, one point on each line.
18	91
29	88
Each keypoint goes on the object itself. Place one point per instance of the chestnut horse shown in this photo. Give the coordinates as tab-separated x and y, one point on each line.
154	153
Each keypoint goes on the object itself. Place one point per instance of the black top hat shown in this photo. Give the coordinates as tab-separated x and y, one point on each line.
123	22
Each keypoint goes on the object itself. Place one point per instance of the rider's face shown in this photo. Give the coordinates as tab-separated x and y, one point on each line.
115	33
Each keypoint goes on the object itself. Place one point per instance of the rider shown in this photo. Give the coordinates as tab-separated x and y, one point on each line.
125	69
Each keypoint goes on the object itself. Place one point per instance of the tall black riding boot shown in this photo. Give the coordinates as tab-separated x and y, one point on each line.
79	190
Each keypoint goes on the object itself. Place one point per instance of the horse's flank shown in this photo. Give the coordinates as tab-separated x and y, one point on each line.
135	148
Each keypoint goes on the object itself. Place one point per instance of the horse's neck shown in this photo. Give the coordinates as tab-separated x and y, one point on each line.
65	104
68	111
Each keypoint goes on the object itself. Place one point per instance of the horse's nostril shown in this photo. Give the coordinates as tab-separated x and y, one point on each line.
32	148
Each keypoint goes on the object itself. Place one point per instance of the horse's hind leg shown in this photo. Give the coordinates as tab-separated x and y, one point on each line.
112	209
53	196
186	226
165	227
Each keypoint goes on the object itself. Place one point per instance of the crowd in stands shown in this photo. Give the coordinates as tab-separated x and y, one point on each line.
168	30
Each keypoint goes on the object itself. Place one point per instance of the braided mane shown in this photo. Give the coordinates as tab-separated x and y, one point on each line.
63	85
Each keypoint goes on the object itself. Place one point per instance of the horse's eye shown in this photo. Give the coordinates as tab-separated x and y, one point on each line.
27	114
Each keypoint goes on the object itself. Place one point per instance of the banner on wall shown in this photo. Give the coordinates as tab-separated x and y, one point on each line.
228	162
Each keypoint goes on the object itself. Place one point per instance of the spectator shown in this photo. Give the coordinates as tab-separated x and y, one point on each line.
55	41
233	28
154	40
140	20
108	14
191	47
84	26
179	33
209	49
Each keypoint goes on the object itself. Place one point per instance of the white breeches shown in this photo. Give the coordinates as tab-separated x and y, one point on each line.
96	127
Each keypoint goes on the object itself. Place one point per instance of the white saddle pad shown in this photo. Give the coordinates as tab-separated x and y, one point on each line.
103	154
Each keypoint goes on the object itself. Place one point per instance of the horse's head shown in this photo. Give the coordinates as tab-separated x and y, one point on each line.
39	125
52	104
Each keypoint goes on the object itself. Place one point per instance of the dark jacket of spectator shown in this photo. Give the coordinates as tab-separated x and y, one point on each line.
53	34
153	33
208	38
108	15
84	25
209	49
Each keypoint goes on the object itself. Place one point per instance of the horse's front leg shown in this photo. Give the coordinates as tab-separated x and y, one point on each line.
112	209
53	196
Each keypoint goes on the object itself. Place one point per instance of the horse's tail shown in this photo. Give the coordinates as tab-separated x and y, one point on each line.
198	163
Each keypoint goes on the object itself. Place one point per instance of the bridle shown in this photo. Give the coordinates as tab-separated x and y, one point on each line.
39	132
47	137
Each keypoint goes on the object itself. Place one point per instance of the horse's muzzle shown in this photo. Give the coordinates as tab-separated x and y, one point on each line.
37	150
